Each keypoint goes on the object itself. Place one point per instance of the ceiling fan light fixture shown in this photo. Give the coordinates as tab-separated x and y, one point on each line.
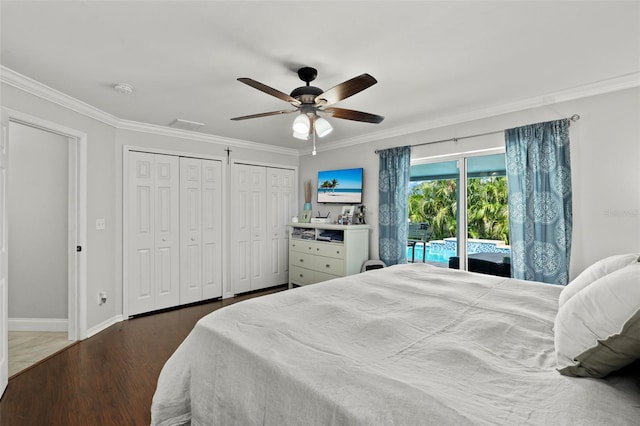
323	127
301	124
303	136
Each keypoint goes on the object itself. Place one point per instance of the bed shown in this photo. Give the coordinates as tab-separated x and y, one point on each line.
404	345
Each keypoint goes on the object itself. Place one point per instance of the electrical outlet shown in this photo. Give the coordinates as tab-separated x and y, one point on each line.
100	224
102	298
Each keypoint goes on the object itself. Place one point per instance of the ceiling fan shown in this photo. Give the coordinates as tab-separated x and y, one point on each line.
310	100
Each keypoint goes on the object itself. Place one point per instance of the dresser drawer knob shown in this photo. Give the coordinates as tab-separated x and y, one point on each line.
301	260
327	266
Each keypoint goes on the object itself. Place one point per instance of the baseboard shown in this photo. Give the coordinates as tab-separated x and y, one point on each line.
104	325
38	324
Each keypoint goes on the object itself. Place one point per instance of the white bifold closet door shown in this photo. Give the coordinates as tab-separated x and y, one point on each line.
200	229
174	231
280	205
262	200
153	267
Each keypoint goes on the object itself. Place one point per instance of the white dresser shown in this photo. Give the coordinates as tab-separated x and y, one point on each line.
320	252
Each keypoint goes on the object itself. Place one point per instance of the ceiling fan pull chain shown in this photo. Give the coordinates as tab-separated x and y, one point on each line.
314	144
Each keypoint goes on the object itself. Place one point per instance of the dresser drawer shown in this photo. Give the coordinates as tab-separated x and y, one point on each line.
302	260
302	246
301	276
317	248
330	249
328	265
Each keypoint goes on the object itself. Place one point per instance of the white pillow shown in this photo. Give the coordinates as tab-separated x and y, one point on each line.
597	331
595	272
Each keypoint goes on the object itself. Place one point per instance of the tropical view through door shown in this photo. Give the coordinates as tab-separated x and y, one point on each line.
434	218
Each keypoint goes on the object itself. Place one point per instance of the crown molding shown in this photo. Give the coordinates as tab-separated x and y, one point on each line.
26	84
36	88
202	137
29	85
623	82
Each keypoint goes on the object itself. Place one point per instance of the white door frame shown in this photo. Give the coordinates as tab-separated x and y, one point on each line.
77	260
4	306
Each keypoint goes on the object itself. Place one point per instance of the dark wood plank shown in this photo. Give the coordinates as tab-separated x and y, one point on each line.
108	379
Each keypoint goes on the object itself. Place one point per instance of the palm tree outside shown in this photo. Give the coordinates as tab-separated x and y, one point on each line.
435	202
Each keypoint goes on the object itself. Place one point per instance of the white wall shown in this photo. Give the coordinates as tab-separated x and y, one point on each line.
605	157
37	209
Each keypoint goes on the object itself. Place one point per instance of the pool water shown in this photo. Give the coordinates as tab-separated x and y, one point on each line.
441	256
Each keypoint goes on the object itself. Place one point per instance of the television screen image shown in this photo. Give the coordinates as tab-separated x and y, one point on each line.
340	186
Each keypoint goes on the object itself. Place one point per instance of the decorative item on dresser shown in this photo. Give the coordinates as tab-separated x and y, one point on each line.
307	195
320	252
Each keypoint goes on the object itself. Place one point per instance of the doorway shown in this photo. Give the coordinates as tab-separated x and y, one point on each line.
462	201
43	215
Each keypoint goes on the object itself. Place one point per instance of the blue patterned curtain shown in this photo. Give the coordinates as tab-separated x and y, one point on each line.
540	212
393	188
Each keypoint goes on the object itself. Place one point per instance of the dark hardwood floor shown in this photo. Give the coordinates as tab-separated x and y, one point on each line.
108	379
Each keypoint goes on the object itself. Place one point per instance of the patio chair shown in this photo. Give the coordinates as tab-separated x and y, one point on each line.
418	234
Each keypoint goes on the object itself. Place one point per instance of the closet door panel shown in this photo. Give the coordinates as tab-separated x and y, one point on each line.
141	239
241	229
258	207
190	230
212	229
280	197
167	253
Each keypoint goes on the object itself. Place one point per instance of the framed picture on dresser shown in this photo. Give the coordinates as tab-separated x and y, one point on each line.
305	216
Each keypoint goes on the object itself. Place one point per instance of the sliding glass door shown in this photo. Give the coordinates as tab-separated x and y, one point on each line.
478	239
433	208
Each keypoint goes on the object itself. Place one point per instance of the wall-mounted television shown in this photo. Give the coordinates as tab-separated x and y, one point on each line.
340	186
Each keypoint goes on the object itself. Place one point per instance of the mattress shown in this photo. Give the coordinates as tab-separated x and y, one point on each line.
405	345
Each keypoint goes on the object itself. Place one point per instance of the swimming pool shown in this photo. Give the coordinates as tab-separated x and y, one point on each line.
441	250
441	256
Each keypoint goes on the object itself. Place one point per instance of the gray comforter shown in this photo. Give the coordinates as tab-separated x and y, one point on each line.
406	345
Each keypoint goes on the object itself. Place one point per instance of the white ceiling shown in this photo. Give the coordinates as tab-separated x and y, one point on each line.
434	61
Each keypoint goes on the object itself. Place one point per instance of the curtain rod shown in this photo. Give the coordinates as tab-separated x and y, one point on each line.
574	117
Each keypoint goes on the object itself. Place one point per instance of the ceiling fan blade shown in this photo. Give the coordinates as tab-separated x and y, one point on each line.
264	114
349	114
345	89
270	91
